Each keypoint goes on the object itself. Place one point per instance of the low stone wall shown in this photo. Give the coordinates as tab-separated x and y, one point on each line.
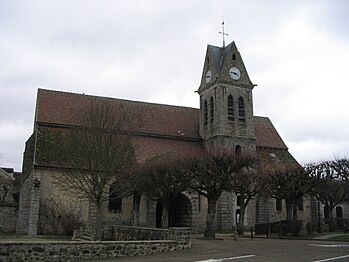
179	238
8	218
124	233
72	250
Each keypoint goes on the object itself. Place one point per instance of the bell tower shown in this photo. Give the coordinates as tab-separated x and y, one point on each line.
226	104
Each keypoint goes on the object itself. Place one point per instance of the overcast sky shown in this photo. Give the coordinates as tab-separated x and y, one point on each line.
297	52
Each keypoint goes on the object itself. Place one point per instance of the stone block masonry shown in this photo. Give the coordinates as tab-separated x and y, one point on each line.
57	251
8	217
72	250
116	232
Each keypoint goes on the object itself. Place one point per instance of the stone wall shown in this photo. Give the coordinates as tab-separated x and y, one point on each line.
225	212
29	205
24	206
28	156
265	210
8	218
178	239
70	251
117	232
33	200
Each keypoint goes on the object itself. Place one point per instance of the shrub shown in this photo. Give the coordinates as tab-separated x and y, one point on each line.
288	226
58	218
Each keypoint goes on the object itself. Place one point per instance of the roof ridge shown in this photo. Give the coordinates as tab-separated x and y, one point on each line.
115	99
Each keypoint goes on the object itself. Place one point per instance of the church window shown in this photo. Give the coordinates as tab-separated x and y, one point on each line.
238	151
238	200
205	113
115	202
278	204
326	212
230	108
211	110
234	56
207	60
339	212
241	110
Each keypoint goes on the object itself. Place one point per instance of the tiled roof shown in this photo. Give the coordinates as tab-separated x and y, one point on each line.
145	147
266	134
62	108
272	159
4	175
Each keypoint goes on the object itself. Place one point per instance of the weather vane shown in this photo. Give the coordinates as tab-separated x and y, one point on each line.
224	34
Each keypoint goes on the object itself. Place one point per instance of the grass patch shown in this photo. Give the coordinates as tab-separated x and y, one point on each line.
340	238
14	237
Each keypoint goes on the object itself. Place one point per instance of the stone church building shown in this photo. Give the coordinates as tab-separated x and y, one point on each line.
225	120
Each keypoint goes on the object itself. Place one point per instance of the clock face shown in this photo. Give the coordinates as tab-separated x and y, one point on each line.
234	73
208	76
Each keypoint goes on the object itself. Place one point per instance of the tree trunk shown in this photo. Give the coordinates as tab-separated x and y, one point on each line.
164	217
331	224
211	213
98	223
294	210
135	211
241	225
288	210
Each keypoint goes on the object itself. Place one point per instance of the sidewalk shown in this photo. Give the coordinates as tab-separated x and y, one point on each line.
329	236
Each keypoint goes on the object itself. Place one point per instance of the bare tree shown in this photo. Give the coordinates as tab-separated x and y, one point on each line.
140	178
341	167
330	189
7	189
213	173
246	185
290	184
93	155
131	183
163	181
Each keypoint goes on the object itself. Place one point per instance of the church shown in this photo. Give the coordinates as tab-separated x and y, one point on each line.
225	119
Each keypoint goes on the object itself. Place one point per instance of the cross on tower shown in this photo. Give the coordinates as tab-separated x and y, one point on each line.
224	34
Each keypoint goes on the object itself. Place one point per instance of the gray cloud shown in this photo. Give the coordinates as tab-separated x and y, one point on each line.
296	51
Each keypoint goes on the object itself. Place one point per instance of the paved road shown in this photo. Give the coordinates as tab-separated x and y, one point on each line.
258	249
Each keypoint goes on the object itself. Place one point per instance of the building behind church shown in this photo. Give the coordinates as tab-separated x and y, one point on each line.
10	182
225	120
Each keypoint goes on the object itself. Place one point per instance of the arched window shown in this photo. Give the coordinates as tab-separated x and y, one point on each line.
234	56
278	204
205	113
230	108
326	212
241	110
238	151
238	200
115	202
339	212
211	110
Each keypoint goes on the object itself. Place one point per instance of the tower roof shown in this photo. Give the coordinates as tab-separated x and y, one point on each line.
219	54
219	60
